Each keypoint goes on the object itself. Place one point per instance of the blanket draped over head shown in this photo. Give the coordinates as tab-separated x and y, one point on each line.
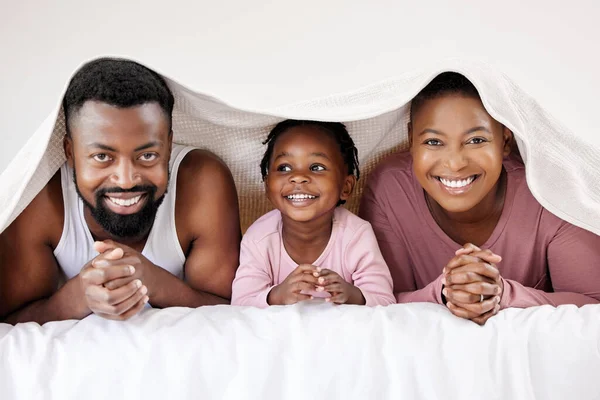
562	169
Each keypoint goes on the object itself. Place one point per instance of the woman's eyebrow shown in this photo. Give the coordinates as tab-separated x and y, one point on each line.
477	129
469	131
431	131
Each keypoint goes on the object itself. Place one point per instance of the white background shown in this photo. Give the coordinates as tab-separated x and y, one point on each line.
259	53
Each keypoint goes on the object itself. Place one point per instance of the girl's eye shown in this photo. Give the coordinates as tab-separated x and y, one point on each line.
476	140
432	142
284	168
101	157
148	157
317	167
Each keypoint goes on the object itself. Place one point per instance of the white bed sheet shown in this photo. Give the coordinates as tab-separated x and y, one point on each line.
307	351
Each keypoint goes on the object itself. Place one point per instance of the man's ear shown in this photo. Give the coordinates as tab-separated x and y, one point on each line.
509	141
348	187
170	141
68	148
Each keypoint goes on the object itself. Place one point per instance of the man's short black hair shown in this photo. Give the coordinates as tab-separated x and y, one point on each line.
443	84
120	83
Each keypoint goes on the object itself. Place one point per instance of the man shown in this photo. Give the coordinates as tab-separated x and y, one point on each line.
130	219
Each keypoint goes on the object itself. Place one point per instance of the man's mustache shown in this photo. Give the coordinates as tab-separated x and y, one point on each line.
135	189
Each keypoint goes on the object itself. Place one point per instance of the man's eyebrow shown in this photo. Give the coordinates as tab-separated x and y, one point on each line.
139	148
147	146
102	146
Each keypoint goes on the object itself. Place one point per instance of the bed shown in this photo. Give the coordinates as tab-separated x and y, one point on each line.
316	350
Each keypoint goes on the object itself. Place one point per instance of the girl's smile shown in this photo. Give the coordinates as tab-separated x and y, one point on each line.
307	176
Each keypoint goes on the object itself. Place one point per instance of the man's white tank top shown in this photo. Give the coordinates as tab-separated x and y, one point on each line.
76	245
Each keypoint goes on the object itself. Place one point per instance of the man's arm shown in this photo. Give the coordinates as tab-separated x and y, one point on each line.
29	274
207	216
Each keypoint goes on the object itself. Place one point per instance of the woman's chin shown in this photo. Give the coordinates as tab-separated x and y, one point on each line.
455	206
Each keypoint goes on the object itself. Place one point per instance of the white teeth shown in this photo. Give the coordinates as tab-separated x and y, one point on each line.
125	202
300	197
459	183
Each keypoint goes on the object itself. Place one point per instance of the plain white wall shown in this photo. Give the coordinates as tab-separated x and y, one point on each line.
260	53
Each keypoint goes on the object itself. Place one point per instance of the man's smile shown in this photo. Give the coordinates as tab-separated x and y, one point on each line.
125	203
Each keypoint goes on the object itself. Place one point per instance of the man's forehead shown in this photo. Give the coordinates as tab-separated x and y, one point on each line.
98	119
99	112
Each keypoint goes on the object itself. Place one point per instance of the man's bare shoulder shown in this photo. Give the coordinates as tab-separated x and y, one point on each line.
201	171
206	194
44	217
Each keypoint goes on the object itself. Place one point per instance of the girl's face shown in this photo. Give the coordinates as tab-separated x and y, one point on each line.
307	175
457	150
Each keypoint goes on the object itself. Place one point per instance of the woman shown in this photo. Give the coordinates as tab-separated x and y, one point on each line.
460	184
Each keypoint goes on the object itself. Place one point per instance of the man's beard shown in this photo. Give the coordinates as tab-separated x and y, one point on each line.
124	226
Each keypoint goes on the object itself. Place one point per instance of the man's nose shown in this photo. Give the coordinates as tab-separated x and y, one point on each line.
126	175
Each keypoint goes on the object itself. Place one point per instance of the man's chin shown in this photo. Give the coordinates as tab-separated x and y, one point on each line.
129	226
134	225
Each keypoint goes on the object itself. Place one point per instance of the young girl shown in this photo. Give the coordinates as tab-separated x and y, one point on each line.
308	246
457	185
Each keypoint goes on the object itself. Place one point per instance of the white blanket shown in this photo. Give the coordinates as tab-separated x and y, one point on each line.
562	168
307	351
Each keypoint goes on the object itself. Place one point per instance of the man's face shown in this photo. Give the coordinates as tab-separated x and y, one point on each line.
120	159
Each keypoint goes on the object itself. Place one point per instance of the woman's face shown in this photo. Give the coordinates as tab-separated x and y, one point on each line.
457	150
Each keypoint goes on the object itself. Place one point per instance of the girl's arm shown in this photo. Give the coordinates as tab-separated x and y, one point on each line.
253	280
371	274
